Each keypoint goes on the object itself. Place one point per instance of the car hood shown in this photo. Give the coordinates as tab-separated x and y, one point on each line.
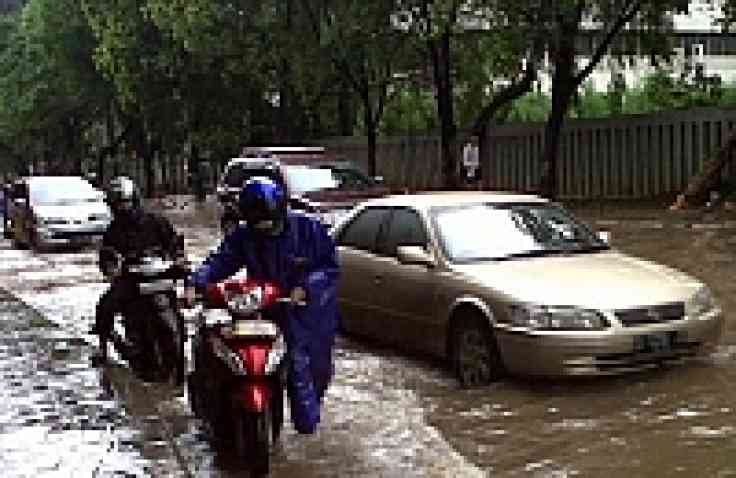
599	280
343	198
80	210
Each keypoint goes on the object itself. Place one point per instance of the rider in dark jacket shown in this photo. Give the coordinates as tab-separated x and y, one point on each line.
296	253
131	232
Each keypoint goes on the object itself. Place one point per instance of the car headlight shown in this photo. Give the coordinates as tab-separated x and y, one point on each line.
700	303
540	317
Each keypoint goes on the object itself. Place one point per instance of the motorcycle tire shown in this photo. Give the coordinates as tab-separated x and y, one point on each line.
277	407
253	440
193	394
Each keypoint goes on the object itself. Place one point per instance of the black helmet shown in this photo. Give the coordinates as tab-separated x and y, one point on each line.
122	195
262	203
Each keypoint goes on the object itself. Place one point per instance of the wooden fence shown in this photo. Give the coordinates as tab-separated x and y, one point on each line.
628	157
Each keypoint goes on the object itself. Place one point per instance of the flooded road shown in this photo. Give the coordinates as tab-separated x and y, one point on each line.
386	414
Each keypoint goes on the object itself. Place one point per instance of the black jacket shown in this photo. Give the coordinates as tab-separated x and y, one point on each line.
141	231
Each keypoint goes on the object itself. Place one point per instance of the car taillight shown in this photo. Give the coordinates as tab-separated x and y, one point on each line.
224	293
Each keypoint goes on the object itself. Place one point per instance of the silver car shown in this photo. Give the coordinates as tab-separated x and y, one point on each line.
57	210
501	283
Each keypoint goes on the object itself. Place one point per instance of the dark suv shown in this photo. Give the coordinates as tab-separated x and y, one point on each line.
237	172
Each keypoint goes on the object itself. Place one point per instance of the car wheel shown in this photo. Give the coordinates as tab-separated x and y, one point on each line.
18	243
33	242
476	358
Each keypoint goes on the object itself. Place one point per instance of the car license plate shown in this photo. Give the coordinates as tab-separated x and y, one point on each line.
654	343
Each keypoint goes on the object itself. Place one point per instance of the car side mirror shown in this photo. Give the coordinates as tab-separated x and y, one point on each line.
415	255
604	236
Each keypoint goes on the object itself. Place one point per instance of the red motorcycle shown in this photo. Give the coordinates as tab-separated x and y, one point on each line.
239	373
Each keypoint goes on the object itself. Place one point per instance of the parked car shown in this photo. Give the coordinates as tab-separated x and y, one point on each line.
323	191
57	210
497	283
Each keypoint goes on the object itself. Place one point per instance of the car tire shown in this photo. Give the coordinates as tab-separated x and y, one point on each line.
476	359
33	243
17	242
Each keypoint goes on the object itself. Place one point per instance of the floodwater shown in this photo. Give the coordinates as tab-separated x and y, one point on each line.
385	415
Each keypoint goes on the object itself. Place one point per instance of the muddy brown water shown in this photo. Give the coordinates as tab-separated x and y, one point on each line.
388	414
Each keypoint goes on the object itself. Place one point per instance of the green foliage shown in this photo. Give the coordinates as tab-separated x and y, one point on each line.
50	90
591	104
657	92
412	111
532	107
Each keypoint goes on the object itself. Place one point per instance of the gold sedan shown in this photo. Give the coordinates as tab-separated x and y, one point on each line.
498	283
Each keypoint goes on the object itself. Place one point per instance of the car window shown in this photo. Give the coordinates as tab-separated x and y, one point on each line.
62	191
237	174
303	179
405	229
350	178
18	190
504	231
362	231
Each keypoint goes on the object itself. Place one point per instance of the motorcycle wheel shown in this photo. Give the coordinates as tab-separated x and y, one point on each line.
253	440
277	409
193	388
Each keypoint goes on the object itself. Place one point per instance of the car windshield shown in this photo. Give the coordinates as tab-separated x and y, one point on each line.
350	178
486	232
301	179
238	174
63	191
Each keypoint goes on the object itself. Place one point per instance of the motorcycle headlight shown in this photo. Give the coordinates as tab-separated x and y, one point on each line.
539	317
700	303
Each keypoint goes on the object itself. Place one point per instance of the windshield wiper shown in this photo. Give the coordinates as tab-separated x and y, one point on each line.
515	255
591	248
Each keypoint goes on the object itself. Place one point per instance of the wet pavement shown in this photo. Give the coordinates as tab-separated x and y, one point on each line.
386	414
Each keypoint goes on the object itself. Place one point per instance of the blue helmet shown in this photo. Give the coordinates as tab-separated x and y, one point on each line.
262	203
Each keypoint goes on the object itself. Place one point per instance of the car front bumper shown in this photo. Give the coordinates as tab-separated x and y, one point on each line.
610	352
69	234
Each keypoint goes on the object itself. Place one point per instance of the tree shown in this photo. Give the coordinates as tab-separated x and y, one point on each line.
50	92
367	50
505	71
646	22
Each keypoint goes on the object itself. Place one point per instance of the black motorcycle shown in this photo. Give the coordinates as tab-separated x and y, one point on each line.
152	333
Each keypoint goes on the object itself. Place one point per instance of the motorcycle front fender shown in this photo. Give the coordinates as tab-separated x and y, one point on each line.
254	396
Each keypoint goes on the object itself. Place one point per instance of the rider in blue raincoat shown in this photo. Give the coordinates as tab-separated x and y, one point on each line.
297	253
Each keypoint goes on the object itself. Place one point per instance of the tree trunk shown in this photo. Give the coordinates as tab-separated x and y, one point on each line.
563	86
110	131
483	173
346	115
445	110
699	185
370	127
284	111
